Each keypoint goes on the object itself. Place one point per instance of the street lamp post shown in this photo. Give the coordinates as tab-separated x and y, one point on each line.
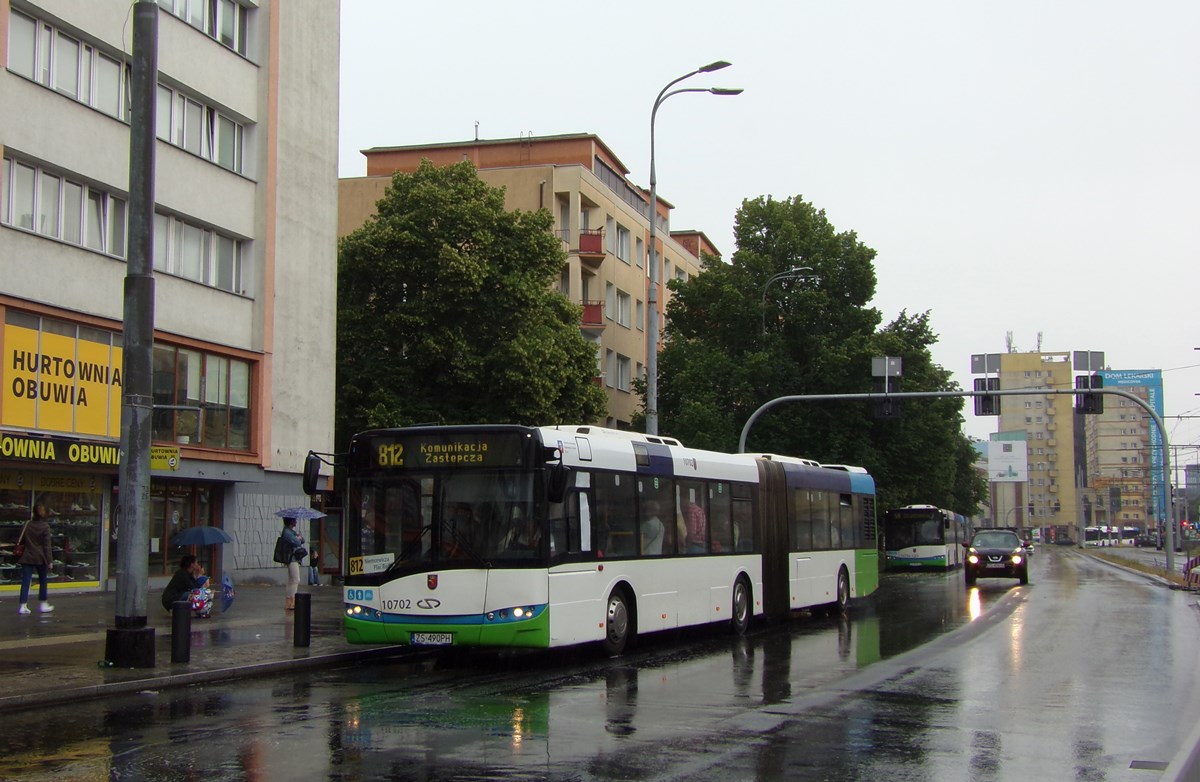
652	297
797	273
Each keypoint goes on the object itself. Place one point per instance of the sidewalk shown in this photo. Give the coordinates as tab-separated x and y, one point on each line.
58	657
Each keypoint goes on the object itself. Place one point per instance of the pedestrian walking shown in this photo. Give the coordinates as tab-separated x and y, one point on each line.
38	556
293	536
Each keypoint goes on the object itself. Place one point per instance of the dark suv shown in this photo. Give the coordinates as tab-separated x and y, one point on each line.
996	553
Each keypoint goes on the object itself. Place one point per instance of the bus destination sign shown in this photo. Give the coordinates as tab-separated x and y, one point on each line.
447	450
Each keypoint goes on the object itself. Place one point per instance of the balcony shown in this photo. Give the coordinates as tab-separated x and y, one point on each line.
592	320
591	247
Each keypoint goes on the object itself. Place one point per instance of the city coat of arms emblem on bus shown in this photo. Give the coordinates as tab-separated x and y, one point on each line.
431	581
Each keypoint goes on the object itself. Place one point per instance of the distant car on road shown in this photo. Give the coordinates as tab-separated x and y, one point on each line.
996	553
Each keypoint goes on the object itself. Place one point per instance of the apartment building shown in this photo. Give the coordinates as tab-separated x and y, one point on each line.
1124	454
604	223
1046	424
245	273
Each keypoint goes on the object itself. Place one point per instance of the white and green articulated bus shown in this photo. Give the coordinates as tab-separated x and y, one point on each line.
515	536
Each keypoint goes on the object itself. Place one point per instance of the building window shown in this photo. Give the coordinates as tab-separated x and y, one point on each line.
640	256
610	300
201	398
197	253
71	67
624	370
624	304
623	238
640	320
200	129
222	20
45	202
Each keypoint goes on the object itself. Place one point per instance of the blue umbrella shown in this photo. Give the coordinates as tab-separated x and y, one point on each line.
299	513
203	535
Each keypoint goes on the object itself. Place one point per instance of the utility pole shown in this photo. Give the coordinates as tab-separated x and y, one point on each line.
130	643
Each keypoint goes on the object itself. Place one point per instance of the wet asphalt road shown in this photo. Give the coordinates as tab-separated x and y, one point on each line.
1088	673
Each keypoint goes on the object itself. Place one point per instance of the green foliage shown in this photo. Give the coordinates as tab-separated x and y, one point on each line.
446	313
735	342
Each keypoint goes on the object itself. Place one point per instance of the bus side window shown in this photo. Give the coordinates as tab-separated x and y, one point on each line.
820	520
802	520
743	518
719	521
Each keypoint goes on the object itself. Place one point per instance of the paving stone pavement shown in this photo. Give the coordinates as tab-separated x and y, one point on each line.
59	656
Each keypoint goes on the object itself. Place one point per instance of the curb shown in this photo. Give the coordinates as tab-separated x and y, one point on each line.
95	691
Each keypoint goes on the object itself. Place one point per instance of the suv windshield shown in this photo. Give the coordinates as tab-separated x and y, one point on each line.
996	540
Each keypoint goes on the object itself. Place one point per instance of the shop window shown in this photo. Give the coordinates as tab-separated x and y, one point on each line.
73	503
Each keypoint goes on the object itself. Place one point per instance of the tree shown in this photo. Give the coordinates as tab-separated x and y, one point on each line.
733	343
446	313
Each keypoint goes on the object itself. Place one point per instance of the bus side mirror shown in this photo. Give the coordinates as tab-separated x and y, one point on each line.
557	481
312	471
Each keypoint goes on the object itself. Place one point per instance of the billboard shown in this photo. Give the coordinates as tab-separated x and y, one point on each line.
1007	461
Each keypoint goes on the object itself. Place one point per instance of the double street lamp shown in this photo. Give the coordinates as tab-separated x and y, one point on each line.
796	273
652	297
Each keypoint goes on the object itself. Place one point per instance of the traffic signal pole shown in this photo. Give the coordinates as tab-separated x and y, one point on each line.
1172	508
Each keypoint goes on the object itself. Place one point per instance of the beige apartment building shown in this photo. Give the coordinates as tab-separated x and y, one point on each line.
601	217
1048	424
244	265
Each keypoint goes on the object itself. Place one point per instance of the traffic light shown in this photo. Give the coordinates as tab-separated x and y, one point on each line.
887	408
987	404
1089	404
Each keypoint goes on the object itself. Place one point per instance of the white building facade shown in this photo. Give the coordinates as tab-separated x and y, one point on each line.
245	273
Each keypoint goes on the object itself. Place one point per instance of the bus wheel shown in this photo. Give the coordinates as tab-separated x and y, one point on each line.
842	604
741	607
616	625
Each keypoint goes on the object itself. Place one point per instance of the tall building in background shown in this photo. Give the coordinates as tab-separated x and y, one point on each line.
244	260
602	219
1124	454
1094	470
1047	422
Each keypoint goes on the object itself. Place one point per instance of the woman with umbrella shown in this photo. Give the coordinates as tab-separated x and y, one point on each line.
292	535
199	593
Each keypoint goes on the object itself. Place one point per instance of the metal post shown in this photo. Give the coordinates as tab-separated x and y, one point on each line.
131	643
302	626
181	631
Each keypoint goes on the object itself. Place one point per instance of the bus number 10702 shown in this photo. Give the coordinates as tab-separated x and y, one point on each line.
397	605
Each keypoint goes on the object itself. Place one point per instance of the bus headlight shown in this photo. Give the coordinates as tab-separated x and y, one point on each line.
514	614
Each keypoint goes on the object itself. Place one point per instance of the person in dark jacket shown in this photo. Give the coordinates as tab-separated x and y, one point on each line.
38	556
183	582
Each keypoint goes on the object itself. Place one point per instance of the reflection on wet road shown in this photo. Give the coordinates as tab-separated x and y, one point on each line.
1077	676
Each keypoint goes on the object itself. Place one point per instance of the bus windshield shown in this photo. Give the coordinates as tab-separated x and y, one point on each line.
461	516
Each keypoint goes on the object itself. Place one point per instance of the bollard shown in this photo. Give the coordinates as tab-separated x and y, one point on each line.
303	620
181	632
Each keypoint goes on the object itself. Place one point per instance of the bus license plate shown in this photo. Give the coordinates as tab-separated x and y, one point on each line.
432	639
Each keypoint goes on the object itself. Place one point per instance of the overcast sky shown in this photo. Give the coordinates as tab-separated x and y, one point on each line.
1023	166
